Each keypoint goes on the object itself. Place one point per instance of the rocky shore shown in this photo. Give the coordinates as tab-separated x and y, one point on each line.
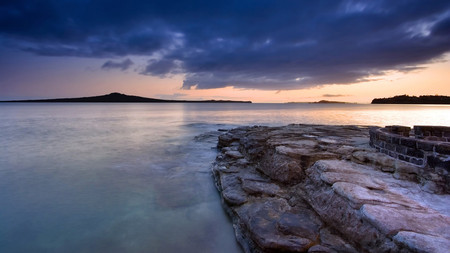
313	188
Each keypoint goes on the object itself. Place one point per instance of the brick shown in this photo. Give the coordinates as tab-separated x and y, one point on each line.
395	140
403	158
443	148
433	138
393	154
384	137
377	135
437	133
409	142
425	145
380	144
430	130
401	130
401	149
416	161
390	146
415	153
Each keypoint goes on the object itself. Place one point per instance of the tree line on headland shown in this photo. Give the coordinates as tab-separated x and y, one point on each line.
405	99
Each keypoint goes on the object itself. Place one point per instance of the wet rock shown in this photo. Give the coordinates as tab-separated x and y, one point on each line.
253	176
334	242
234	197
257	188
386	163
242	162
225	140
311	188
392	220
262	220
282	170
283	243
224	169
320	249
421	242
229	181
301	224
234	154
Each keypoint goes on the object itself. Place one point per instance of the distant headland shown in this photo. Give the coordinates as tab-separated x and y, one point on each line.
116	97
321	102
330	102
405	99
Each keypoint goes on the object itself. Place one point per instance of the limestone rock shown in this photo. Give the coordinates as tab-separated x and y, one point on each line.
256	188
299	224
234	154
234	197
311	188
320	249
262	222
334	242
422	243
392	220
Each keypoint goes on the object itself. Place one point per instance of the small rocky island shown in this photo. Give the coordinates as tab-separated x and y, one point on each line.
405	99
116	97
315	188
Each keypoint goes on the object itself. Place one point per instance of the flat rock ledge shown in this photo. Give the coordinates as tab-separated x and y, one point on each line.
313	188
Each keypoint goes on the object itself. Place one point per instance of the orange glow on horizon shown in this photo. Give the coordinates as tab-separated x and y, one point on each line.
432	80
90	81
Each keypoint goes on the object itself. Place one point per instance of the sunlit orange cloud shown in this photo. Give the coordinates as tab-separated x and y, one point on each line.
432	79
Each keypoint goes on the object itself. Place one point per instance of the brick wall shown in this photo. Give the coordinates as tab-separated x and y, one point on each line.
435	133
394	142
428	149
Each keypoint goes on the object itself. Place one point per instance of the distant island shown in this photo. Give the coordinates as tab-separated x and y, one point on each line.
116	97
405	99
330	102
321	102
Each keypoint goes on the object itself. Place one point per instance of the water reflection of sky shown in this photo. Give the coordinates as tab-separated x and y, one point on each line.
336	114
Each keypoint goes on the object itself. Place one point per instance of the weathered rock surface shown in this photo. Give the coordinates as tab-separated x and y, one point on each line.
311	188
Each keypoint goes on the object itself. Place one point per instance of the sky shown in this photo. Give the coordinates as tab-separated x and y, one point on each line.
258	50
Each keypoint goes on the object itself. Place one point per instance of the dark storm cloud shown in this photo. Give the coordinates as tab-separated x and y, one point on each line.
249	44
121	65
162	67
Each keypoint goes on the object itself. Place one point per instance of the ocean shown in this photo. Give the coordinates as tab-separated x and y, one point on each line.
136	177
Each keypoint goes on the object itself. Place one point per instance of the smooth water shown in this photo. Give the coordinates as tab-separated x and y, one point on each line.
136	177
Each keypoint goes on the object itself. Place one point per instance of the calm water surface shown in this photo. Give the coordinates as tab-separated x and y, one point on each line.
136	177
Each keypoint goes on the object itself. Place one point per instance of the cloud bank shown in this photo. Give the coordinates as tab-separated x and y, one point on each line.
272	45
121	65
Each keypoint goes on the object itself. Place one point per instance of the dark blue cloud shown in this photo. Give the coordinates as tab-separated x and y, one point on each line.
121	65
162	67
250	44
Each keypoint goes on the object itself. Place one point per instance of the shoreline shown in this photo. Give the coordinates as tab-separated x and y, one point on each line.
323	188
